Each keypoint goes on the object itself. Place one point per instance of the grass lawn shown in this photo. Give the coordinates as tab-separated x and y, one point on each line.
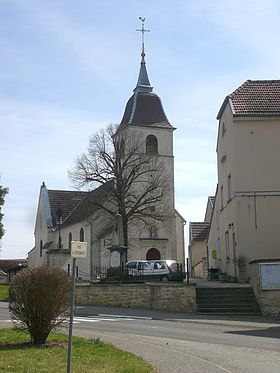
4	291
19	355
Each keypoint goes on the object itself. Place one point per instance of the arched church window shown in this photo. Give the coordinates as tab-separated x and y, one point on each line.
41	247
82	235
69	240
151	145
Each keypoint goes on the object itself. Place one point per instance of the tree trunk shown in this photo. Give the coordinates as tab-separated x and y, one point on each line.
125	231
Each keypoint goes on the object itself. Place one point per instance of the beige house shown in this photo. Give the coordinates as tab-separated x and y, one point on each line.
198	236
83	220
246	217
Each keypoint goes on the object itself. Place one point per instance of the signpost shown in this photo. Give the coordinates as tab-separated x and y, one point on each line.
78	250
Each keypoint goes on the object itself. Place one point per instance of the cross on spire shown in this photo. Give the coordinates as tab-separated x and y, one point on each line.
143	30
143	83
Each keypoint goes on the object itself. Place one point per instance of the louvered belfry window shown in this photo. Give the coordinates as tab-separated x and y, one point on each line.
151	145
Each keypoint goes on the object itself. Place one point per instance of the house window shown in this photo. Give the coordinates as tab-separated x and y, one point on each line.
41	247
227	247
69	240
229	187
224	128
222	196
82	235
151	145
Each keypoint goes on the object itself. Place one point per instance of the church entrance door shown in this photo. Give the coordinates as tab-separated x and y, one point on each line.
153	254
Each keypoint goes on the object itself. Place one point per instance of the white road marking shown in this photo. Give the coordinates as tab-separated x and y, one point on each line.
93	319
99	318
126	317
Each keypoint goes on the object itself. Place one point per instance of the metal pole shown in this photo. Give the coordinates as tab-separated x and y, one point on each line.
71	316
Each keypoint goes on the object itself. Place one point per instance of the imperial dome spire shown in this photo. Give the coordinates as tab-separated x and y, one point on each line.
144	108
143	83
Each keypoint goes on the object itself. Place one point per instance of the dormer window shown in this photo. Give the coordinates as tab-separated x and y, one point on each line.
151	145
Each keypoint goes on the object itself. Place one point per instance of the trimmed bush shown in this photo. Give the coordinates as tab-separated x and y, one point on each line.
39	301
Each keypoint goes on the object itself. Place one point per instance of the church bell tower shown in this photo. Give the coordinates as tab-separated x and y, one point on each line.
144	114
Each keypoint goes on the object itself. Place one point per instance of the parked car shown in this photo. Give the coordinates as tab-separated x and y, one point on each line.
163	270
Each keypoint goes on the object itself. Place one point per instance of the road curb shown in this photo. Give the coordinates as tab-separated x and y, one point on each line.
243	324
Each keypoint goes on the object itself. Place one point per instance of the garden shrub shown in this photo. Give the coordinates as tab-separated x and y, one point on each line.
39	301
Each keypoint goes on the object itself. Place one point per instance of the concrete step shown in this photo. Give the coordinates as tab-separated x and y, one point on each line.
221	297
224	290
227	301
236	311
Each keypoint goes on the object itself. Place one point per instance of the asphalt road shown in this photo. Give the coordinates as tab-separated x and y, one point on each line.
191	344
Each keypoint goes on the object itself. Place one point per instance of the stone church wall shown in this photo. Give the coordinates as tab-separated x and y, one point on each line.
168	297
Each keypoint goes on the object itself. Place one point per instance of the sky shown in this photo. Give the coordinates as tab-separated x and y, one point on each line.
68	67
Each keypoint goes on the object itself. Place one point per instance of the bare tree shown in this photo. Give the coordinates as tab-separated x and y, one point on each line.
140	182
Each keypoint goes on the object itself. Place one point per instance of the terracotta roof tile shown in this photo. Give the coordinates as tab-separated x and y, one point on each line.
255	98
199	231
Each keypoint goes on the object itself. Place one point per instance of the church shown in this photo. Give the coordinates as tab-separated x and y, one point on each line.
64	216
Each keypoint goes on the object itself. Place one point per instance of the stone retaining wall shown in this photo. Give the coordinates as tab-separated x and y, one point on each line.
157	296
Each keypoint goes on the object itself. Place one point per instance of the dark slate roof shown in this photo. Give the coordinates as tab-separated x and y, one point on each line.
255	98
7	265
67	200
199	231
89	203
145	109
143	83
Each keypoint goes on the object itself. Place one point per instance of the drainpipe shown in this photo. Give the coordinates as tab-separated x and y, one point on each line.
183	236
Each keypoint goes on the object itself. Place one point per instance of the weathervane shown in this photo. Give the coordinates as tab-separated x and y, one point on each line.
143	30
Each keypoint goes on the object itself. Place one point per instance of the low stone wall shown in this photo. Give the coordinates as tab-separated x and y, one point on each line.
157	296
269	300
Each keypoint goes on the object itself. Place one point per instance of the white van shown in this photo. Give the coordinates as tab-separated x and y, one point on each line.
163	270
